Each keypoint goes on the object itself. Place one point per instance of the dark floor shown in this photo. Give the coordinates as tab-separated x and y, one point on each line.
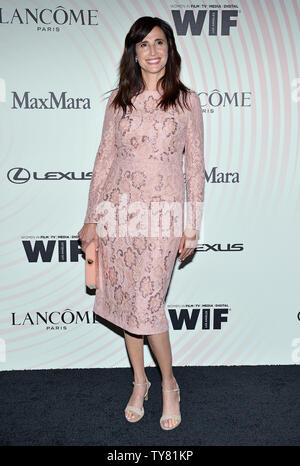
220	405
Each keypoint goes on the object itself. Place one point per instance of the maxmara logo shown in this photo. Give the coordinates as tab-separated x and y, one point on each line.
20	175
45	17
52	102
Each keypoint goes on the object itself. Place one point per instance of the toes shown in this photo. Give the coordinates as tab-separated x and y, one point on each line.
170	423
130	415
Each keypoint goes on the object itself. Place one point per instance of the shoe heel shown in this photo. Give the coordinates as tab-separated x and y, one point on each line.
148	386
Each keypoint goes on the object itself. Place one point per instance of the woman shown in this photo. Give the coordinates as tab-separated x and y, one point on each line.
149	119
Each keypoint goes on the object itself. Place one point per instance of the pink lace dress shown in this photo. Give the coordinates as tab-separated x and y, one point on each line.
140	157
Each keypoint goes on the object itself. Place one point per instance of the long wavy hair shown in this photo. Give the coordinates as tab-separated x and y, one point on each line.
131	82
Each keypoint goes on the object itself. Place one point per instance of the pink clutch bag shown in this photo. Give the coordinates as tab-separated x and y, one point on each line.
91	266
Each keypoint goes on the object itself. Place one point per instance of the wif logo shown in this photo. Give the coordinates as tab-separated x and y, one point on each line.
209	317
44	249
223	20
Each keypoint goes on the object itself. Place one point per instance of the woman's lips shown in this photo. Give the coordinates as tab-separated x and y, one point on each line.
153	62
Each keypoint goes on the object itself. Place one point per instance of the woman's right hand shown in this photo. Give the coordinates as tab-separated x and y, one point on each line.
87	234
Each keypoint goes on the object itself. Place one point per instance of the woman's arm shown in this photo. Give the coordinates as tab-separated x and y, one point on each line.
194	167
103	162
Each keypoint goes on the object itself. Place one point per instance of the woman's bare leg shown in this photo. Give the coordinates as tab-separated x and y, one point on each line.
135	349
160	345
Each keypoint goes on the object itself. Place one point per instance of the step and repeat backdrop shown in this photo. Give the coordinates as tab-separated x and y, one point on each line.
238	301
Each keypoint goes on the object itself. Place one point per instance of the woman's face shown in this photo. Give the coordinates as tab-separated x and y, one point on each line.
152	52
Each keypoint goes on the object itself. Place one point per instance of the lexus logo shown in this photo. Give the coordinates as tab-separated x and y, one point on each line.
18	175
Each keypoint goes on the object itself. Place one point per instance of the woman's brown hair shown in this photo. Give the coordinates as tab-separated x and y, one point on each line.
130	76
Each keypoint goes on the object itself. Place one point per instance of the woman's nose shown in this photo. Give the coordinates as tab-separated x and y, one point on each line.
152	50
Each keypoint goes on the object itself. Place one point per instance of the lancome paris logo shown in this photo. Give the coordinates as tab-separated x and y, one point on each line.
53	320
20	175
49	19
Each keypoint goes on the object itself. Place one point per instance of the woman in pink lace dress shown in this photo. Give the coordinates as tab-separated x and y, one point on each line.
136	201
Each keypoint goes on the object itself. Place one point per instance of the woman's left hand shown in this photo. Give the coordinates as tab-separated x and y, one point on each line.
188	243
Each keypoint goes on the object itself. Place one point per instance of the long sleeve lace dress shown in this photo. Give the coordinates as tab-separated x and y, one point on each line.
138	180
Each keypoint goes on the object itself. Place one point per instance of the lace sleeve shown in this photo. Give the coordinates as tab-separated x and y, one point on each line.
194	164
103	162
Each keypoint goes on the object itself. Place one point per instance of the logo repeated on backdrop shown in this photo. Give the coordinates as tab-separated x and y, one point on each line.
210	100
216	99
52	248
61	248
53	320
20	175
197	317
53	102
48	19
241	58
189	317
192	20
215	21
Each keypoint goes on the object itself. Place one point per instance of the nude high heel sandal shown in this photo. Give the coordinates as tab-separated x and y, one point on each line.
134	409
171	416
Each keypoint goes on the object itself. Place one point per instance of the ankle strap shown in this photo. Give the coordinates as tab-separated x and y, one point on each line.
171	389
145	383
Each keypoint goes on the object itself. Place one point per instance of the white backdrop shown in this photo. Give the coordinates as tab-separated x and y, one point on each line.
238	301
